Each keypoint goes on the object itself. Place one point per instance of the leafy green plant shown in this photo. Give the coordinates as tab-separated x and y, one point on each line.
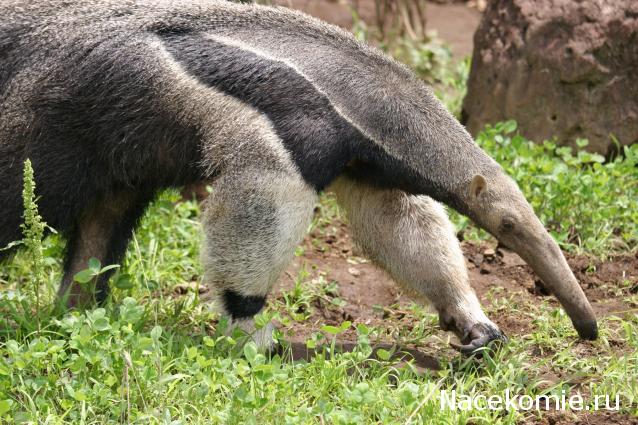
90	275
93	271
33	232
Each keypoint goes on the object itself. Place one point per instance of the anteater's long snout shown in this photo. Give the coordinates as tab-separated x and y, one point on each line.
550	265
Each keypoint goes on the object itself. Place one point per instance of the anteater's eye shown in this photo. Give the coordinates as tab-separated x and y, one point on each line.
507	225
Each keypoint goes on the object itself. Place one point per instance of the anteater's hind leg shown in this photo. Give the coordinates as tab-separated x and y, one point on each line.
103	231
10	213
412	238
253	220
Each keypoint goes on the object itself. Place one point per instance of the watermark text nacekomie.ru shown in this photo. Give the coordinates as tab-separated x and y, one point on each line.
453	401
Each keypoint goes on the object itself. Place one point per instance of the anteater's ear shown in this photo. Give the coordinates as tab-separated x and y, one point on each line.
478	185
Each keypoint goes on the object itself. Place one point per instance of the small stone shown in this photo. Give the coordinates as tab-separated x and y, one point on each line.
354	271
511	259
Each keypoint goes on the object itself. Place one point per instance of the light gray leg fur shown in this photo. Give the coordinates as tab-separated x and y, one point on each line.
412	238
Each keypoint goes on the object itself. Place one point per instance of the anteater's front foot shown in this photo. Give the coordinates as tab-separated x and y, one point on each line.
480	336
473	335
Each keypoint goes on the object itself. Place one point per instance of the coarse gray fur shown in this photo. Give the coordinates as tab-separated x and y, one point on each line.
115	100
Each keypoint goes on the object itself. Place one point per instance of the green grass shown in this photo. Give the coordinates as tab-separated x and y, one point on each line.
157	354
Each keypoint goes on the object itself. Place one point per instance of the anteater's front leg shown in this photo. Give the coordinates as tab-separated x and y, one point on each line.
412	238
252	221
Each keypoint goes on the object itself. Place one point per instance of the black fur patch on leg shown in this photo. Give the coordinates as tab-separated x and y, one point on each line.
242	306
70	248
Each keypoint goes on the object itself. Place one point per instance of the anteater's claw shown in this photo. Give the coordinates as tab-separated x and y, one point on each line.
481	337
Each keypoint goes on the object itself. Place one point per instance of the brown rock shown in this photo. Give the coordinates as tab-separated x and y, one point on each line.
478	260
511	259
563	68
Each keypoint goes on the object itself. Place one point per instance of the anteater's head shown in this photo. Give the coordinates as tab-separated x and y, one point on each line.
496	204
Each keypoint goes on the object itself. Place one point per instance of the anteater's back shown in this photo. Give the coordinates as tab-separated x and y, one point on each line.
83	94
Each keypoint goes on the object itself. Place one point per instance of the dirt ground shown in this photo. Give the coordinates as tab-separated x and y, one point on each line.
454	23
